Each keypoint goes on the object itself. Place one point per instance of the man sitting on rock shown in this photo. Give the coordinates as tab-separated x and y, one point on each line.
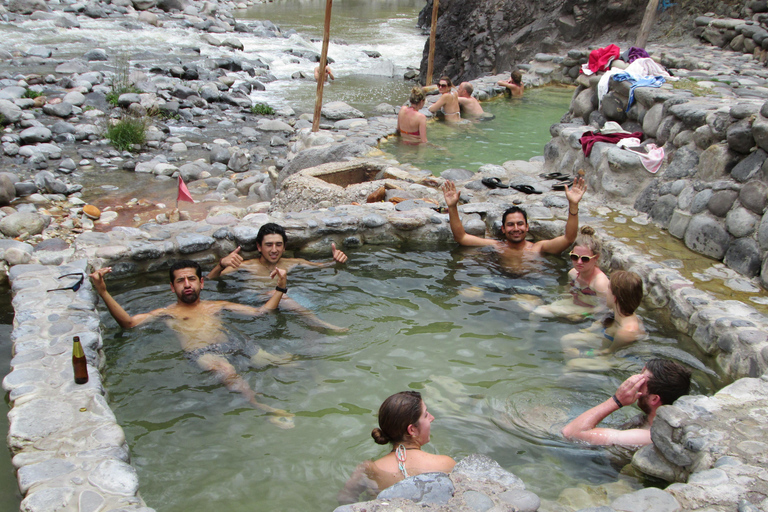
514	225
660	383
270	242
199	328
470	107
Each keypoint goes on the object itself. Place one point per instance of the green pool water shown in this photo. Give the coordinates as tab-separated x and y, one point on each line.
518	132
437	320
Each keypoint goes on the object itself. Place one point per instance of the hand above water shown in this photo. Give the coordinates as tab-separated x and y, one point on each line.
97	278
450	193
338	255
282	276
232	259
631	389
576	191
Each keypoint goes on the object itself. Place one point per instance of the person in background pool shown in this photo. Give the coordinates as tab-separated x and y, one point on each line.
515	83
412	124
198	326
328	73
515	225
270	242
470	107
660	383
405	423
448	102
622	327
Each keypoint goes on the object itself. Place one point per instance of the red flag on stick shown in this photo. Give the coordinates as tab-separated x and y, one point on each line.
183	192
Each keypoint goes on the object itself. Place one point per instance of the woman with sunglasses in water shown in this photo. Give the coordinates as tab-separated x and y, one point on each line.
589	284
405	423
448	102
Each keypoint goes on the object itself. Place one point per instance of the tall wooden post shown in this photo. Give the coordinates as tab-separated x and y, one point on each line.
645	27
323	63
432	34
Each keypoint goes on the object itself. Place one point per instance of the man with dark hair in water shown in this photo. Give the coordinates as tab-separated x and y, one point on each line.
515	83
198	326
660	383
270	242
514	224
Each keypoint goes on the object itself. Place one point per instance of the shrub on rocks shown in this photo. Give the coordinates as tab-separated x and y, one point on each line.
127	133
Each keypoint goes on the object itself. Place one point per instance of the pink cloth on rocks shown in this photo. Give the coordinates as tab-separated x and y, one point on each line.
651	160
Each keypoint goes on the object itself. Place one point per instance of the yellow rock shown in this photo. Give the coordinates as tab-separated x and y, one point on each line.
91	211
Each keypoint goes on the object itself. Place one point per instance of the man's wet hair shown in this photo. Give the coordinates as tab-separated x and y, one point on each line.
270	228
670	380
511	210
517	77
185	264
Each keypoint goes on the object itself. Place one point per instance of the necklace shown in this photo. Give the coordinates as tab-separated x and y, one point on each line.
400	455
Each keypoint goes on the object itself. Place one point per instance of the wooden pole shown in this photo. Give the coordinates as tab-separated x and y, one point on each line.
432	34
323	63
645	27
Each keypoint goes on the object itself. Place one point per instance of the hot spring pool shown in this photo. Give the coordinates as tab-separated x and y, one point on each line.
436	320
518	132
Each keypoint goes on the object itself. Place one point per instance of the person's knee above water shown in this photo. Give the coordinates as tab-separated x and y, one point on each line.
448	102
660	383
412	124
405	423
514	226
470	107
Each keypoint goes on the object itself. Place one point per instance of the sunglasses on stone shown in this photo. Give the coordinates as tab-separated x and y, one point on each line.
584	259
75	286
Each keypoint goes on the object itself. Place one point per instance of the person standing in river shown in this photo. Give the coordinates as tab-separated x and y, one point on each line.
199	328
328	74
270	242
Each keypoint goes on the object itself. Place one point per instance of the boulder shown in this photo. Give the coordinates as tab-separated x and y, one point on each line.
707	236
337	110
743	256
9	112
313	157
7	189
15	224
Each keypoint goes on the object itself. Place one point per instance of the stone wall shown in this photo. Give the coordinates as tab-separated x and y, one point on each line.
712	124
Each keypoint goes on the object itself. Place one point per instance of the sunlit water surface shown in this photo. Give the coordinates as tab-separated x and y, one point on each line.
437	321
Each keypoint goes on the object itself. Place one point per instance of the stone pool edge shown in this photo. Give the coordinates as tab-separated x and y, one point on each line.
62	452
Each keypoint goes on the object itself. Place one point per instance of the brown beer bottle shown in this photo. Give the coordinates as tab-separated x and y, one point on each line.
79	362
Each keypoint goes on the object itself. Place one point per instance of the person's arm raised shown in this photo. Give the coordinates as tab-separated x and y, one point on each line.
231	261
123	319
561	243
584	428
457	228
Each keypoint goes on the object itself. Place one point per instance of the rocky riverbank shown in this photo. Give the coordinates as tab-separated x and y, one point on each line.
712	443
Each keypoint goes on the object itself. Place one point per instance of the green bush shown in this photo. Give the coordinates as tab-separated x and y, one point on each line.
127	132
29	93
121	82
262	109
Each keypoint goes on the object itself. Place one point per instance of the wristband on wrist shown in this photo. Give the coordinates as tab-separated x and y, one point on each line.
617	401
571	213
221	264
281	289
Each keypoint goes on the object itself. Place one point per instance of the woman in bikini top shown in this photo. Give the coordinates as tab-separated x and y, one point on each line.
405	423
448	103
412	124
589	283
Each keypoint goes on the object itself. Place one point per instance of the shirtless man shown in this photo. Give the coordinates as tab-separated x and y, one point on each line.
514	225
660	383
470	107
270	242
448	102
514	84
328	73
198	326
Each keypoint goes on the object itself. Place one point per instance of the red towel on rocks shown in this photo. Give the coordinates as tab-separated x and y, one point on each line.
600	59
588	139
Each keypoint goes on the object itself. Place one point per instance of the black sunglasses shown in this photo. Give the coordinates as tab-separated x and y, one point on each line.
584	259
75	286
442	85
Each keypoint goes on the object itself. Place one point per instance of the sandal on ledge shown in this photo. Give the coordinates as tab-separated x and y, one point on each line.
493	183
526	189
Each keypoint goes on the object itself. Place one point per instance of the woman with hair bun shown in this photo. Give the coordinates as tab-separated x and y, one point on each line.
412	124
404	422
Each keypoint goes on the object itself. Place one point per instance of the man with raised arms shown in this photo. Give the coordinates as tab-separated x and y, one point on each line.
270	242
514	224
660	383
198	326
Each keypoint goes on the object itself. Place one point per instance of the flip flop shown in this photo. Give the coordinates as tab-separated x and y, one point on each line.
526	189
553	176
562	185
493	183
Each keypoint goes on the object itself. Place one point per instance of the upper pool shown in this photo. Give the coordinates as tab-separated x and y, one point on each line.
437	320
518	132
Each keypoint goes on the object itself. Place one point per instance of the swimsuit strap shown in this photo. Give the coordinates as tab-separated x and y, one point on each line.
400	456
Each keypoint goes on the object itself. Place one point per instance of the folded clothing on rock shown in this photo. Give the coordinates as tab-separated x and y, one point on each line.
588	139
633	53
637	81
600	59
